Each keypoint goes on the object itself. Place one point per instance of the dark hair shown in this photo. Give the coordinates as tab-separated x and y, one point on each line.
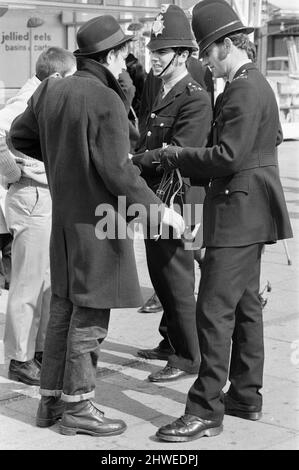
52	60
180	50
240	40
251	52
101	57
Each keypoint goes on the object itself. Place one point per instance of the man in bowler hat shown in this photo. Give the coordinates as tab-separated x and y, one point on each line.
180	115
78	126
244	209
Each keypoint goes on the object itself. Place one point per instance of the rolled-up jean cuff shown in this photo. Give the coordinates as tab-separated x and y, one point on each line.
50	393
76	398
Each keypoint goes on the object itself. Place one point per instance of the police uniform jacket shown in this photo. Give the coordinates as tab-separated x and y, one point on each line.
78	125
245	203
183	117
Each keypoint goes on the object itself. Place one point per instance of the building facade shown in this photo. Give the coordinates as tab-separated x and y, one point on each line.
27	27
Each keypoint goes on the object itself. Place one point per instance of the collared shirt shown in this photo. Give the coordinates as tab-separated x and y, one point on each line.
170	84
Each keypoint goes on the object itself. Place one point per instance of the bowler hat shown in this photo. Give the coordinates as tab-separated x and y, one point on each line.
100	34
171	28
215	19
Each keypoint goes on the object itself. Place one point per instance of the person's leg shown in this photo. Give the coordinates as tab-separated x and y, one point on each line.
165	342
247	355
2	269
164	348
171	270
6	258
54	357
224	279
29	219
88	328
51	406
44	301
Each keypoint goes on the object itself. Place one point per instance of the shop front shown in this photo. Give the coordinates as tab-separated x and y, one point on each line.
27	27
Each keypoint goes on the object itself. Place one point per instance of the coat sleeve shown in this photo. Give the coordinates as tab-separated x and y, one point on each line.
109	147
24	133
241	113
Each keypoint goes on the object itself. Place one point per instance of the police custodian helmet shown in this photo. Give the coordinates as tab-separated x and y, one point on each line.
213	20
171	28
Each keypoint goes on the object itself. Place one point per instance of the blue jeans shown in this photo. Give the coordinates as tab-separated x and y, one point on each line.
73	339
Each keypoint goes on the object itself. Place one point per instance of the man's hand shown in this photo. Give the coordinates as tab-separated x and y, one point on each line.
171	217
30	164
169	157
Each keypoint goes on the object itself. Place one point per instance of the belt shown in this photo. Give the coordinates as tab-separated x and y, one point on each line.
258	161
25	181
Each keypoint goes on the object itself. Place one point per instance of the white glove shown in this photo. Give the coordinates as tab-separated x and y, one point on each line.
175	220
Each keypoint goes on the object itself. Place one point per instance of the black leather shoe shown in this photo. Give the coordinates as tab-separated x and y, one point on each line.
84	417
235	408
50	409
167	374
188	428
156	353
27	372
152	305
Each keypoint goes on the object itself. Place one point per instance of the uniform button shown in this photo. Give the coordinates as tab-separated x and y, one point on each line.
153	115
149	133
162	124
226	191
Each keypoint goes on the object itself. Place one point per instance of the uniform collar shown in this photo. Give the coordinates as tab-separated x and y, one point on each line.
239	69
176	90
169	85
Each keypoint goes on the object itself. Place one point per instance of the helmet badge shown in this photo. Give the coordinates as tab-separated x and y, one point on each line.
158	25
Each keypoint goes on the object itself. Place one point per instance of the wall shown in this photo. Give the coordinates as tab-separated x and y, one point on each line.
20	46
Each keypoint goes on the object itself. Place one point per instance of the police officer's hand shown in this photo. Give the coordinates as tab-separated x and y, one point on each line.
169	157
171	217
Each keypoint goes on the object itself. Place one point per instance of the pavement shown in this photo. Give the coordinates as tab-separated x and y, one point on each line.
124	392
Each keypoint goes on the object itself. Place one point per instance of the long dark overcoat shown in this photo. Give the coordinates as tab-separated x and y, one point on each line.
78	126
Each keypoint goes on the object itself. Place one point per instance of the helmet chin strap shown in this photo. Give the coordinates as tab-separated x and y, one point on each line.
167	66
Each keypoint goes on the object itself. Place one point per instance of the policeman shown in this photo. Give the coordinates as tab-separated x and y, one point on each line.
244	209
181	115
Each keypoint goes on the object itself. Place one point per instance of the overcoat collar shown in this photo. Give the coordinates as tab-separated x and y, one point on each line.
178	89
91	68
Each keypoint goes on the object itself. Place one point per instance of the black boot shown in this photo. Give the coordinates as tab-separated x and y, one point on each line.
27	372
50	409
84	417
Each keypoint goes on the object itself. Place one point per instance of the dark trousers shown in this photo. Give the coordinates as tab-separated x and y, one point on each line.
171	270
5	261
165	342
73	339
230	331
